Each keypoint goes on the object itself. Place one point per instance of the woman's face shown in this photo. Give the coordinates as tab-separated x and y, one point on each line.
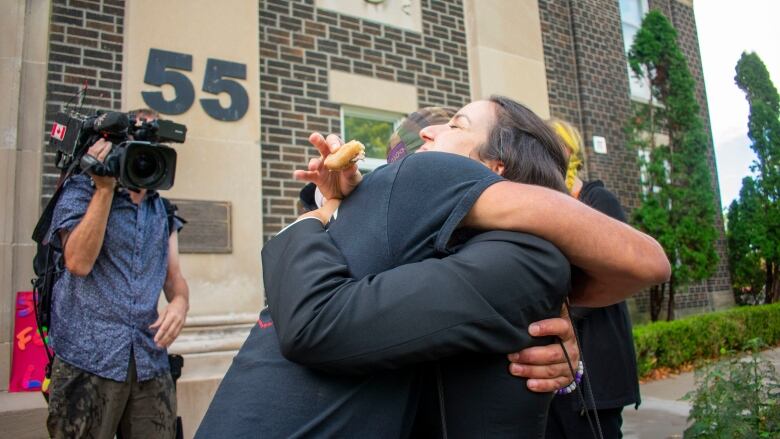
467	130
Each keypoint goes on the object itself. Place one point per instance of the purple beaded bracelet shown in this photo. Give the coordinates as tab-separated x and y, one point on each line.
577	378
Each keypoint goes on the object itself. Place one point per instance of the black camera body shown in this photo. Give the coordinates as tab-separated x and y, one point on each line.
138	159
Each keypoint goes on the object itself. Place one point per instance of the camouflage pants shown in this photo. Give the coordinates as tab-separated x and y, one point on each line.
83	405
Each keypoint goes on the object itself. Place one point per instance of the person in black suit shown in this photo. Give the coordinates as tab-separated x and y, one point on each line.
421	205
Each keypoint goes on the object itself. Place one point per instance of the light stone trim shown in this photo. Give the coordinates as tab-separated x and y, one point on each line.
364	91
24	35
406	14
221	319
220	161
211	339
722	300
506	54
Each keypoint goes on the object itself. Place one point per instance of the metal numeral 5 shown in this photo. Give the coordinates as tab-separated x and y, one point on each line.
161	69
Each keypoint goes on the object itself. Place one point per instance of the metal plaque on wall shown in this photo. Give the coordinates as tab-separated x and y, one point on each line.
208	226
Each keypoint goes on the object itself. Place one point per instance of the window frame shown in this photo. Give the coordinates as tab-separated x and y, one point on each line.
644	156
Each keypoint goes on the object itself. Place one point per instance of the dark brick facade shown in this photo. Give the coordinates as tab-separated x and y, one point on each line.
85	45
560	59
588	85
300	43
682	17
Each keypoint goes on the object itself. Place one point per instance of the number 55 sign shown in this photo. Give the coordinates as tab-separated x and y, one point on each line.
164	67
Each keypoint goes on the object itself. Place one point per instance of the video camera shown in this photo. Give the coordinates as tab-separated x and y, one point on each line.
137	159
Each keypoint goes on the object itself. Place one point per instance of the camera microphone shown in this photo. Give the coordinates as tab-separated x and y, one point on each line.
112	122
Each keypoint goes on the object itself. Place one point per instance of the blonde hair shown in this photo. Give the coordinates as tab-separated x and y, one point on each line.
573	141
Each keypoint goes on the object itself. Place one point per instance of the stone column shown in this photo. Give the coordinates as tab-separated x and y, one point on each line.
212	48
505	50
23	53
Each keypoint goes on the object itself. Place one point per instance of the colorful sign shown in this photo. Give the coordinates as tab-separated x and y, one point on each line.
28	364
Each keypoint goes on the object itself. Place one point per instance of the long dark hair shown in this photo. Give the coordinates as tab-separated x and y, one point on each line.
530	151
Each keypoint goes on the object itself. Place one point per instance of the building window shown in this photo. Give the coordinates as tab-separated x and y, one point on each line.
373	128
631	14
644	175
644	178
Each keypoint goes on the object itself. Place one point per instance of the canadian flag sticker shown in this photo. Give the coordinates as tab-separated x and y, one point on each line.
58	131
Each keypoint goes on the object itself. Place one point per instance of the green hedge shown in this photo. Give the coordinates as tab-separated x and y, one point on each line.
672	344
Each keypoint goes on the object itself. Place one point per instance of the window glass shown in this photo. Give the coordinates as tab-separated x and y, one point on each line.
371	127
640	87
632	11
644	162
628	36
644	159
631	14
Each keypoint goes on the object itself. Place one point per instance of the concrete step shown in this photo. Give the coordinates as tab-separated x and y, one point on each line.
23	415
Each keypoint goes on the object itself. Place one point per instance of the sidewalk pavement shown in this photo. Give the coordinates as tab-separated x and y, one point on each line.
662	414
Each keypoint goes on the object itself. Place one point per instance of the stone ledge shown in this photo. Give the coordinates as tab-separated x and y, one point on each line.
220	320
211	338
23	415
21	401
206	366
722	299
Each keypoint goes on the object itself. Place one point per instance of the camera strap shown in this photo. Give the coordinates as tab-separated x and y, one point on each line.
89	163
47	265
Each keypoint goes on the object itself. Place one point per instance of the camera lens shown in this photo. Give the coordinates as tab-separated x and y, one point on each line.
146	167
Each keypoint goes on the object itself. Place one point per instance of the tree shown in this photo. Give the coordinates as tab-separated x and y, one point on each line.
764	132
744	226
678	205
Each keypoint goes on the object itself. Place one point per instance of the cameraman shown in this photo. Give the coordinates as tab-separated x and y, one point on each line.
111	371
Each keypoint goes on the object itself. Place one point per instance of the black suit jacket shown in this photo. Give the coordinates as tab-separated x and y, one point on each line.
479	300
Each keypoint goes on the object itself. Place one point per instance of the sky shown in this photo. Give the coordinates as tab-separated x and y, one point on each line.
726	29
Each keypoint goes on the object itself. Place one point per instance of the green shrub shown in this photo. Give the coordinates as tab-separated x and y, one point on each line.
673	344
736	398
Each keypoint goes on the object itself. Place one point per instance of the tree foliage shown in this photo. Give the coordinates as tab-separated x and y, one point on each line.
678	206
756	221
744	225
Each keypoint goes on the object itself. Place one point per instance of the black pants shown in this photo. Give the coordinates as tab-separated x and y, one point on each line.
563	422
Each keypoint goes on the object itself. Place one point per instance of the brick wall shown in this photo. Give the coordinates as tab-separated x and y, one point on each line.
85	45
588	86
683	19
300	43
563	82
586	71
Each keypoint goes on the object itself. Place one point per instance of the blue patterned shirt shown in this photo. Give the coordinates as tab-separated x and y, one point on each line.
100	319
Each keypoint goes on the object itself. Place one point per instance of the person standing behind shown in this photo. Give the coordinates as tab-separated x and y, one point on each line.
111	371
606	341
